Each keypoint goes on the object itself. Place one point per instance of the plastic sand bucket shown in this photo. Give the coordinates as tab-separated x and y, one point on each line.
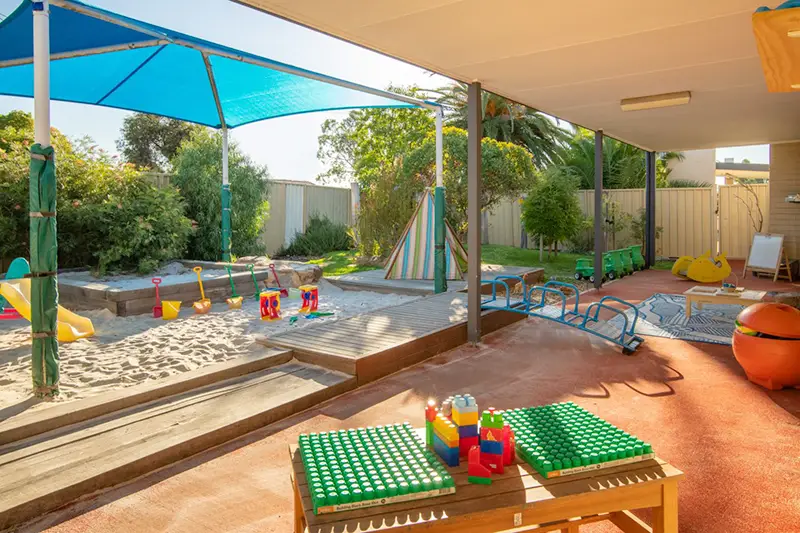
294	294
170	309
235	302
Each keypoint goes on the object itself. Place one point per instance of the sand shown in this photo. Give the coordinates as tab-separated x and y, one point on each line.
127	351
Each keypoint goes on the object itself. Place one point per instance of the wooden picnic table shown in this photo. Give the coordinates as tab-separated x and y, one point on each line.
518	500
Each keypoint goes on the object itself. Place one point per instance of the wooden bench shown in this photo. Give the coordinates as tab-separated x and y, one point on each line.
519	500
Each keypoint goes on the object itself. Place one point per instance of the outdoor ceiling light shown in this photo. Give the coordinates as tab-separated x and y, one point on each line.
794	33
655	101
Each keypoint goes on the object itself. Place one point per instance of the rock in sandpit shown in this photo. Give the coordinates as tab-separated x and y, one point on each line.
306	275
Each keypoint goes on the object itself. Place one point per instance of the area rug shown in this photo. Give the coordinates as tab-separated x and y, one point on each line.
663	315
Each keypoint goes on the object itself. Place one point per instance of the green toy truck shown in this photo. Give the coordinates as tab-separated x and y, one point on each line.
638	258
584	268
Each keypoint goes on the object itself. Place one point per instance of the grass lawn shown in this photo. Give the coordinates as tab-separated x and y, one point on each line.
340	263
561	267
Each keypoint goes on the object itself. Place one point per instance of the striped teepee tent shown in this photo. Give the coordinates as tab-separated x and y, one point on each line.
413	255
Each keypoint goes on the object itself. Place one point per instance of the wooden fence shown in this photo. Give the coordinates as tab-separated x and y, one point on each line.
691	220
739	208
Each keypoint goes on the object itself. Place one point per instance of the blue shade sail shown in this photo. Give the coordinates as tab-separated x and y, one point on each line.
99	57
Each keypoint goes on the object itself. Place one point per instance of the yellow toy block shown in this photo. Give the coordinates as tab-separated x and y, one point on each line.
445	428
465	419
450	443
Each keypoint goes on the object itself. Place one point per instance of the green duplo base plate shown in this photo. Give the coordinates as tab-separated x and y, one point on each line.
354	468
562	439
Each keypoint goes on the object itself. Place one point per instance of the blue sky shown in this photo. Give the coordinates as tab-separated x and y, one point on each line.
287	145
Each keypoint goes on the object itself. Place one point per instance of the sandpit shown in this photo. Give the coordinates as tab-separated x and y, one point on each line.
131	350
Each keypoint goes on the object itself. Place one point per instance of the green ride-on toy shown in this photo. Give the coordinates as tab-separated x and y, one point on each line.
584	268
627	260
617	262
636	255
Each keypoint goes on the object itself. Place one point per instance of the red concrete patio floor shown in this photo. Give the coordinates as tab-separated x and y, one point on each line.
738	444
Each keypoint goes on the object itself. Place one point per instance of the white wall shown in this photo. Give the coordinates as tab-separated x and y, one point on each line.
699	165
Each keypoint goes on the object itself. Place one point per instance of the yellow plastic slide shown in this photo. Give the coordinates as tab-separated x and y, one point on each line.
71	327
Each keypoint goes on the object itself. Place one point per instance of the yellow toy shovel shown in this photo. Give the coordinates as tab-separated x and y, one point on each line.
204	305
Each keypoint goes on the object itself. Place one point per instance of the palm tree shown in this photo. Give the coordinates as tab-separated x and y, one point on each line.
623	164
506	121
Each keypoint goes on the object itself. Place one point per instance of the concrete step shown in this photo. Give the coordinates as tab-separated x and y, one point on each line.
49	470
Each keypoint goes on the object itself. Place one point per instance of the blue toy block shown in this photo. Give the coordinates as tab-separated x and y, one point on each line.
468	431
448	455
492	447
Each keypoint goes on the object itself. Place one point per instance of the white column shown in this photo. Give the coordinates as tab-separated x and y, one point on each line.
41	75
224	156
439	149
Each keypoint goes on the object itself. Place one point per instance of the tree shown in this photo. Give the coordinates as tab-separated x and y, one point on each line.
506	121
552	210
198	175
365	146
151	141
507	170
623	164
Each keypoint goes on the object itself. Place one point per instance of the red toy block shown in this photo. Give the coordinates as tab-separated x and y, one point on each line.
430	411
475	468
509	445
496	433
465	444
493	462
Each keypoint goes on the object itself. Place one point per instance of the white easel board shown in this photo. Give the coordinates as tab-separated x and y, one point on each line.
766	253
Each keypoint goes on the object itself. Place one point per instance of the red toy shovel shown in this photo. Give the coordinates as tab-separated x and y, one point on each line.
157	309
284	292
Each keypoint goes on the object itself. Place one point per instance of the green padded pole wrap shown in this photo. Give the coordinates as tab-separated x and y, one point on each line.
440	273
44	263
226	222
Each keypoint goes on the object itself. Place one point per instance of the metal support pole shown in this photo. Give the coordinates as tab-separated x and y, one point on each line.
42	208
474	135
439	260
226	200
650	209
41	74
599	237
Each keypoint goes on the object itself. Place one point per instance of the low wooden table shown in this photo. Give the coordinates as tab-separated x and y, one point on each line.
518	500
701	294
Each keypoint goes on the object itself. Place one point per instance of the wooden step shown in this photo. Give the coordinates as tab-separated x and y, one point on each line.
46	471
31	423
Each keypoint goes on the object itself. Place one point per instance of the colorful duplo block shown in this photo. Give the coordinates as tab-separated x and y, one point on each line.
468	431
464	410
492	447
445	428
509	445
492	419
476	472
493	462
466	443
450	455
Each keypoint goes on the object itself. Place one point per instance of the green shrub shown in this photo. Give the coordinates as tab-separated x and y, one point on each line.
320	237
109	216
198	175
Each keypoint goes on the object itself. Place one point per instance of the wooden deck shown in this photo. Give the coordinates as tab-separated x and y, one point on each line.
47	471
378	343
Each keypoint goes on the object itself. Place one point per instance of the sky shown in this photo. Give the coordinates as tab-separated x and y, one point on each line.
288	145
